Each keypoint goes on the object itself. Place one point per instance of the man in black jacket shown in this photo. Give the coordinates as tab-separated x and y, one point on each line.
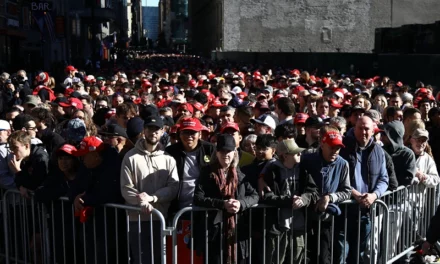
191	153
29	162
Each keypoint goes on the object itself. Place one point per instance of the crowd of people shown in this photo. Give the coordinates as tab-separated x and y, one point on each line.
183	132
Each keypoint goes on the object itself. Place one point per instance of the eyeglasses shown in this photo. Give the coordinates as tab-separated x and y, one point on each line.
188	133
101	106
210	123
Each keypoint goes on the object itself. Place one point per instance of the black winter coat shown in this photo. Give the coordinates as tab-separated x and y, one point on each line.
34	170
208	195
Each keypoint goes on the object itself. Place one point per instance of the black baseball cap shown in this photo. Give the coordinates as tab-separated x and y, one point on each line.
154	121
225	142
114	130
314	121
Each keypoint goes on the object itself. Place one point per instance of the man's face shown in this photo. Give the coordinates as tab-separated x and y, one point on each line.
355	116
31	129
190	138
425	107
4	135
183	111
313	132
101	104
261	129
264	153
20	150
92	160
153	134
395	101
363	131
87	106
58	111
323	109
110	140
333	112
330	153
398	116
311	107
227	117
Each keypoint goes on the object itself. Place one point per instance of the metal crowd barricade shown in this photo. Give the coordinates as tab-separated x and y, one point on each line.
50	233
379	208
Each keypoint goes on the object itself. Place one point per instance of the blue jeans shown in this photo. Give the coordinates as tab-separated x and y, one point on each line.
352	239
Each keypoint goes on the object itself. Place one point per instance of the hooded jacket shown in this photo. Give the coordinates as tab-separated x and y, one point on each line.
403	158
154	173
34	169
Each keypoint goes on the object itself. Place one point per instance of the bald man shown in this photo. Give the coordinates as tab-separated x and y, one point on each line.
369	180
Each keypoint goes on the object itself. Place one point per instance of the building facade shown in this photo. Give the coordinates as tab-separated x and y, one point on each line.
298	25
150	20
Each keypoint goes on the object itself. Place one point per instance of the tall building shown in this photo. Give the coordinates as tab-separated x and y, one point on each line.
150	20
298	25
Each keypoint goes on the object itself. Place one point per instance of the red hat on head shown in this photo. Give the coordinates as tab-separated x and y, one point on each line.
70	68
298	89
146	83
333	139
186	106
190	123
257	73
69	149
335	104
211	76
278	96
69	91
89	144
198	106
300	118
313	78
423	90
257	78
192	83
229	125
43	77
216	103
174	129
74	102
242	95
295	72
399	84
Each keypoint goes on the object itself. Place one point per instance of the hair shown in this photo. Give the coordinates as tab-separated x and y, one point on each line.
410	111
91	128
244	111
51	83
286	130
20	121
19	136
125	109
14	109
251	137
86	97
390	111
286	106
267	141
165	109
312	98
102	98
338	122
45	116
201	98
227	108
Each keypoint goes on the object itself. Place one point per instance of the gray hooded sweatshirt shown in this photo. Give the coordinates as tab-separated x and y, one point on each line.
403	158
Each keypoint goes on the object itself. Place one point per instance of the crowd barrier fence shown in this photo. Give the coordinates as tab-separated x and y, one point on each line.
50	232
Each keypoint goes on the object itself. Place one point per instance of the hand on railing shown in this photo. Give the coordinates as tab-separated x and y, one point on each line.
297	202
232	206
78	202
322	203
24	192
367	199
146	207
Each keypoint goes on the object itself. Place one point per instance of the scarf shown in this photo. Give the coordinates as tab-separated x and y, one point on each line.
227	185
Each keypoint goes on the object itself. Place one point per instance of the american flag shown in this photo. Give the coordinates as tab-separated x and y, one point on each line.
50	26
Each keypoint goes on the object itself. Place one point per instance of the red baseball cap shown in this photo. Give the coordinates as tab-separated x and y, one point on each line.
333	138
174	129
216	103
295	72
192	83
298	89
89	144
186	106
71	68
399	84
335	104
300	118
69	149
198	106
75	102
190	123
229	125
423	90
146	83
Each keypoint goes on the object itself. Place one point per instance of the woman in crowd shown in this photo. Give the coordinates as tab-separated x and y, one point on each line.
221	186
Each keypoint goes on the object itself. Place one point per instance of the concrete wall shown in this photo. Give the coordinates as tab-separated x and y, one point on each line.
317	25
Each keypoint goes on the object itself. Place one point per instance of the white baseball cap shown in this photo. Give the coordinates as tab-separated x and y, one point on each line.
265	120
4	125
